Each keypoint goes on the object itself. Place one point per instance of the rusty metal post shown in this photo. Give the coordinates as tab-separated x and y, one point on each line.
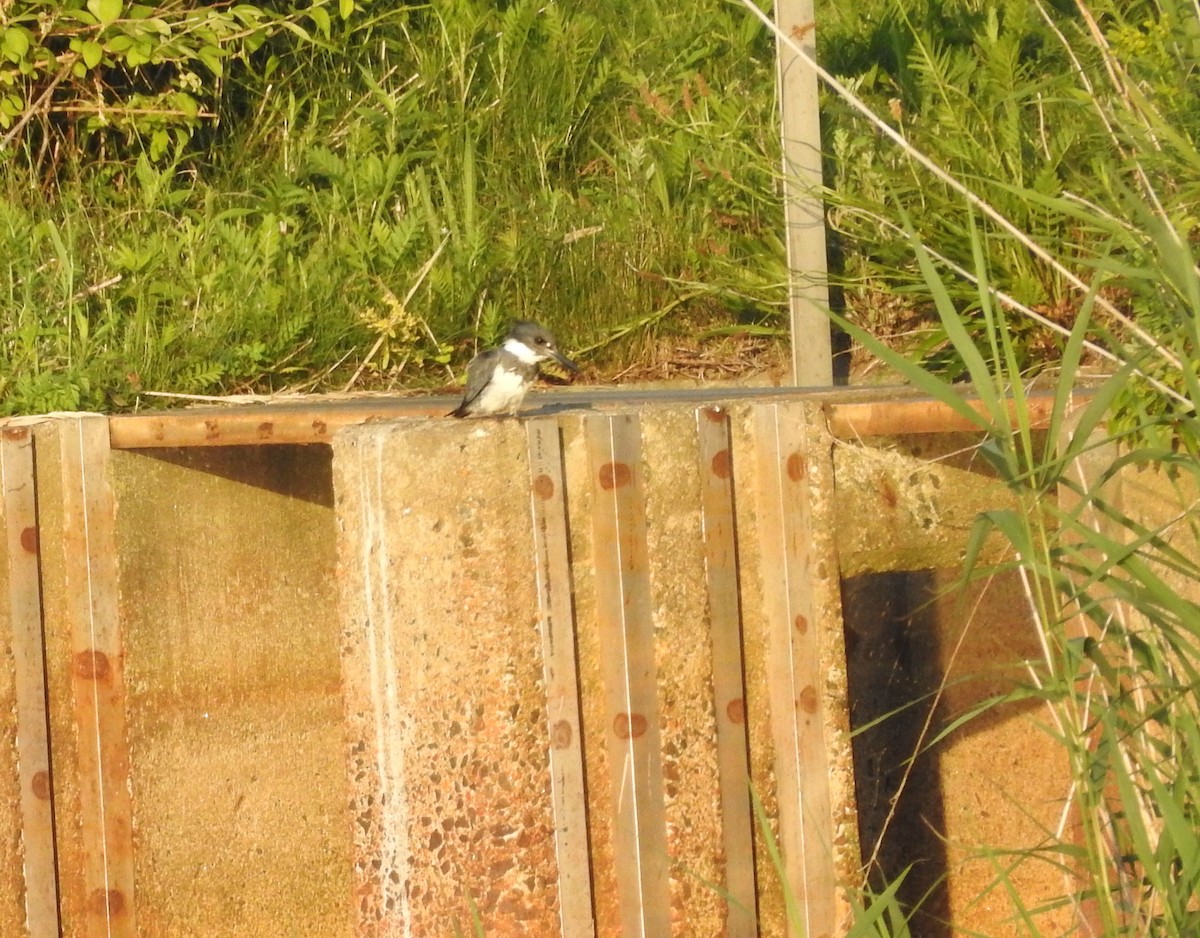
729	689
806	663
804	210
97	677
560	668
623	608
28	648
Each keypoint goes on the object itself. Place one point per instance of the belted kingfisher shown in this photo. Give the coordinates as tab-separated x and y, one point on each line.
498	378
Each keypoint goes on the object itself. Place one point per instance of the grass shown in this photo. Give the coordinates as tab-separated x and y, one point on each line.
565	166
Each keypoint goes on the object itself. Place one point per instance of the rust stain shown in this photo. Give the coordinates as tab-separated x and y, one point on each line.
802	31
29	540
736	710
716	414
107	902
721	464
614	475
266	430
629	725
797	467
320	428
92	665
212	429
561	735
16	434
809	700
40	785
543	487
801	623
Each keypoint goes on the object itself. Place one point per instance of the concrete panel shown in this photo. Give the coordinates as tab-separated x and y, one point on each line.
445	704
909	503
228	603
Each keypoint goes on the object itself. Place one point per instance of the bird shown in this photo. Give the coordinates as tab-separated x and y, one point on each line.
498	379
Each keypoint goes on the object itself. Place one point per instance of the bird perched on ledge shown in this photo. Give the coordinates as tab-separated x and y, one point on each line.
498	379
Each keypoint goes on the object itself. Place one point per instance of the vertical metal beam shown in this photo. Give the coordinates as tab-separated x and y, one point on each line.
33	731
97	677
804	211
560	668
729	687
624	615
799	575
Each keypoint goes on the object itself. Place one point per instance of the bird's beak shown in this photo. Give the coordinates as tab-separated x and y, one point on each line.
564	361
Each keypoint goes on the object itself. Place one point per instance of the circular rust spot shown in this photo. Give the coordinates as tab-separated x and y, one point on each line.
808	699
716	414
212	429
614	475
736	711
720	464
797	468
266	430
108	902
801	624
29	540
543	487
320	428
16	434
92	665
561	734
40	785
629	725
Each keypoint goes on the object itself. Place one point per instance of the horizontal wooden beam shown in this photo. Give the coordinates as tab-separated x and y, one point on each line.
851	414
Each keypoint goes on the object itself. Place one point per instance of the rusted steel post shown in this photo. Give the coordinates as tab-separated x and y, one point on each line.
97	677
624	618
729	690
806	661
560	667
28	650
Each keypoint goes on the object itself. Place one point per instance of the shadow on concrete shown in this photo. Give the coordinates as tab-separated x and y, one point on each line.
302	471
893	665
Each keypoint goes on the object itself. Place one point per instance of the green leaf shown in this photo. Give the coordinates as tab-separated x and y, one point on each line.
345	8
320	18
93	53
16	42
211	57
105	10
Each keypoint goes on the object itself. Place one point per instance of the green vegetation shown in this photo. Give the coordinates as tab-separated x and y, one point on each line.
207	198
224	198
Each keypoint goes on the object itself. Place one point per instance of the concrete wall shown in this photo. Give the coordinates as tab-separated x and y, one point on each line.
519	671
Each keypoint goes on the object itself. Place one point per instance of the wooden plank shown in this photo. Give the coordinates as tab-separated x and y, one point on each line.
318	419
852	421
97	677
560	669
794	666
33	732
804	210
623	610
729	689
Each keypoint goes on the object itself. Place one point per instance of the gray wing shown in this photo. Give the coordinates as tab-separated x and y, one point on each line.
479	372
